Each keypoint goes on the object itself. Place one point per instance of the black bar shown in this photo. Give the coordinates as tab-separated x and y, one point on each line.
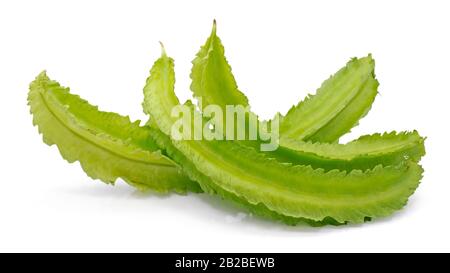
221	262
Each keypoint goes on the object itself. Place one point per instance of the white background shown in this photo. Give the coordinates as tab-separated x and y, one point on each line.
279	52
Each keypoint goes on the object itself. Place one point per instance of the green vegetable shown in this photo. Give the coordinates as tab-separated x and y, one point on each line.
290	191
309	178
107	145
363	153
336	107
